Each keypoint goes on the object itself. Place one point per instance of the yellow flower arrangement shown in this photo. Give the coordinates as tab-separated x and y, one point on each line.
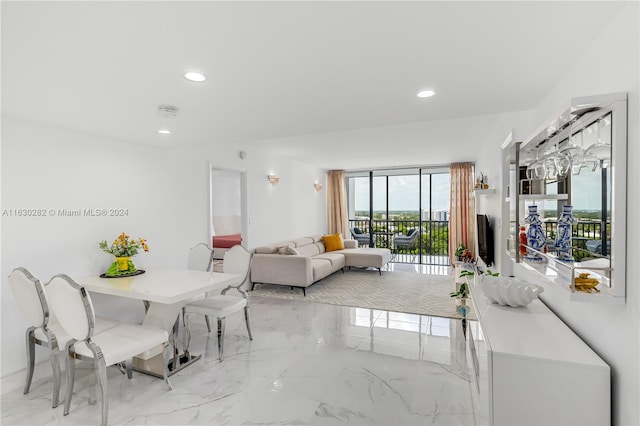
124	246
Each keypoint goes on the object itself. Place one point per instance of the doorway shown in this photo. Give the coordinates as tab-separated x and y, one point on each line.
227	208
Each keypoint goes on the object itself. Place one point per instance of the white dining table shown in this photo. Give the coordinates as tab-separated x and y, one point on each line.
165	291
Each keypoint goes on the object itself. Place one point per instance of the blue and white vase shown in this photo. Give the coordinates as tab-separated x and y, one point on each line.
563	236
536	239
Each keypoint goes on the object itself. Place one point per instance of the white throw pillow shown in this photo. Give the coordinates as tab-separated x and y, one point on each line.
292	251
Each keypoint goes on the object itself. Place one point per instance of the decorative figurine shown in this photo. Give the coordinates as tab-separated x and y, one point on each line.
536	238
563	236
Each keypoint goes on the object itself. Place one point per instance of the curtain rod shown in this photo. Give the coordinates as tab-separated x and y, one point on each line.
423	167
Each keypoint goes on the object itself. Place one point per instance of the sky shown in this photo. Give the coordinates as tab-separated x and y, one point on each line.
403	193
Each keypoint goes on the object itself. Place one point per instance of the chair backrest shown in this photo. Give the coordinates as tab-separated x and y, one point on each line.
72	306
29	294
237	260
200	258
412	232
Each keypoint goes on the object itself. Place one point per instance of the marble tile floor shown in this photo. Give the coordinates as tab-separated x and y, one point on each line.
309	364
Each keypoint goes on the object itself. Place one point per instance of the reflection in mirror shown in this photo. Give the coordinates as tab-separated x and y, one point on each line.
591	192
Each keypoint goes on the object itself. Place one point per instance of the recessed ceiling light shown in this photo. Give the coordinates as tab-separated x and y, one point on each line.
195	76
164	132
426	94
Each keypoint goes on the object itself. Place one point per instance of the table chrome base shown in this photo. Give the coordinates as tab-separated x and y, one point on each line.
153	366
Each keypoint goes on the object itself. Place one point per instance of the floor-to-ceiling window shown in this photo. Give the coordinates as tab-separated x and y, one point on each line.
405	210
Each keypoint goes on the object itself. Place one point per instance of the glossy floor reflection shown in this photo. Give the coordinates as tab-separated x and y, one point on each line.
308	364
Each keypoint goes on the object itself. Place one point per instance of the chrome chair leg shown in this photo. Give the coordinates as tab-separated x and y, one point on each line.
101	376
55	366
220	338
71	376
31	358
248	321
206	318
165	363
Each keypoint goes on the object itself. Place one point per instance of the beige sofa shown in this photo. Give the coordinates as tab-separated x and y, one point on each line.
304	261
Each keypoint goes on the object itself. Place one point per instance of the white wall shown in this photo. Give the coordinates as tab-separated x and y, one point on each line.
166	196
610	65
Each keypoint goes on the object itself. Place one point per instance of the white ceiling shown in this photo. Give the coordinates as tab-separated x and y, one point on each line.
281	69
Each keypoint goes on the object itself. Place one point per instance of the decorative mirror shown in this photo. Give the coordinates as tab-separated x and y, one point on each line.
574	172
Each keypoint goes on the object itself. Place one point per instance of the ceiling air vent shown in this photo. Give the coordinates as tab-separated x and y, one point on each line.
168	111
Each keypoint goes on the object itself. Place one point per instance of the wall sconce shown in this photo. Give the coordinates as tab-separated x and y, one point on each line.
273	179
317	186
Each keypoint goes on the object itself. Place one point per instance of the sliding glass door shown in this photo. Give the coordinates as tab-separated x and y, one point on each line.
405	210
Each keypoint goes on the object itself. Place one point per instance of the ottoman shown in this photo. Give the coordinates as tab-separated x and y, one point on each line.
367	257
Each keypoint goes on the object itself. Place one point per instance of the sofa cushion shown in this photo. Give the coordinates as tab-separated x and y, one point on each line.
333	242
316	238
320	246
321	268
367	257
308	250
336	259
302	242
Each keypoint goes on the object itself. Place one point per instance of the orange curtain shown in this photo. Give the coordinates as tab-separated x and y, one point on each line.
462	208
336	204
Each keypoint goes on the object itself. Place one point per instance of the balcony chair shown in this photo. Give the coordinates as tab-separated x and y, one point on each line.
117	345
236	261
44	330
362	238
406	242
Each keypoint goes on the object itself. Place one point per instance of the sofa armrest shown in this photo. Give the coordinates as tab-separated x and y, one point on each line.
281	269
350	244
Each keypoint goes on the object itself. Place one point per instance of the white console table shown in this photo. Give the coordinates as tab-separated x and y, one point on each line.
528	368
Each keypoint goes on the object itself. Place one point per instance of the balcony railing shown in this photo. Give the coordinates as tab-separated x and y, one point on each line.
430	247
582	234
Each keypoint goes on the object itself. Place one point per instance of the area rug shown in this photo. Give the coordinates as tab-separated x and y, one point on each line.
393	291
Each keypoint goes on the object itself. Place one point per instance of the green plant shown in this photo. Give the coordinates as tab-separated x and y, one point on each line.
460	249
493	274
466	273
124	246
462	293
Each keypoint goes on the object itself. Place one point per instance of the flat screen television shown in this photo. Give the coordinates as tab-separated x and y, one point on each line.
485	239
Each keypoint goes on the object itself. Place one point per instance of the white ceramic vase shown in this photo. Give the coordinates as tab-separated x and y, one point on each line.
509	291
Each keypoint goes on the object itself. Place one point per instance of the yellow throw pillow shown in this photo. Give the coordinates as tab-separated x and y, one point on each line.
333	242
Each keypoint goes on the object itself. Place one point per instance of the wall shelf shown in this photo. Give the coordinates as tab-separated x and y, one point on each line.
563	274
551	197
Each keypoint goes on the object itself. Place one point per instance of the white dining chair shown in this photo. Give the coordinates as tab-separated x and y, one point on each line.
44	330
74	310
200	258
237	260
31	299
